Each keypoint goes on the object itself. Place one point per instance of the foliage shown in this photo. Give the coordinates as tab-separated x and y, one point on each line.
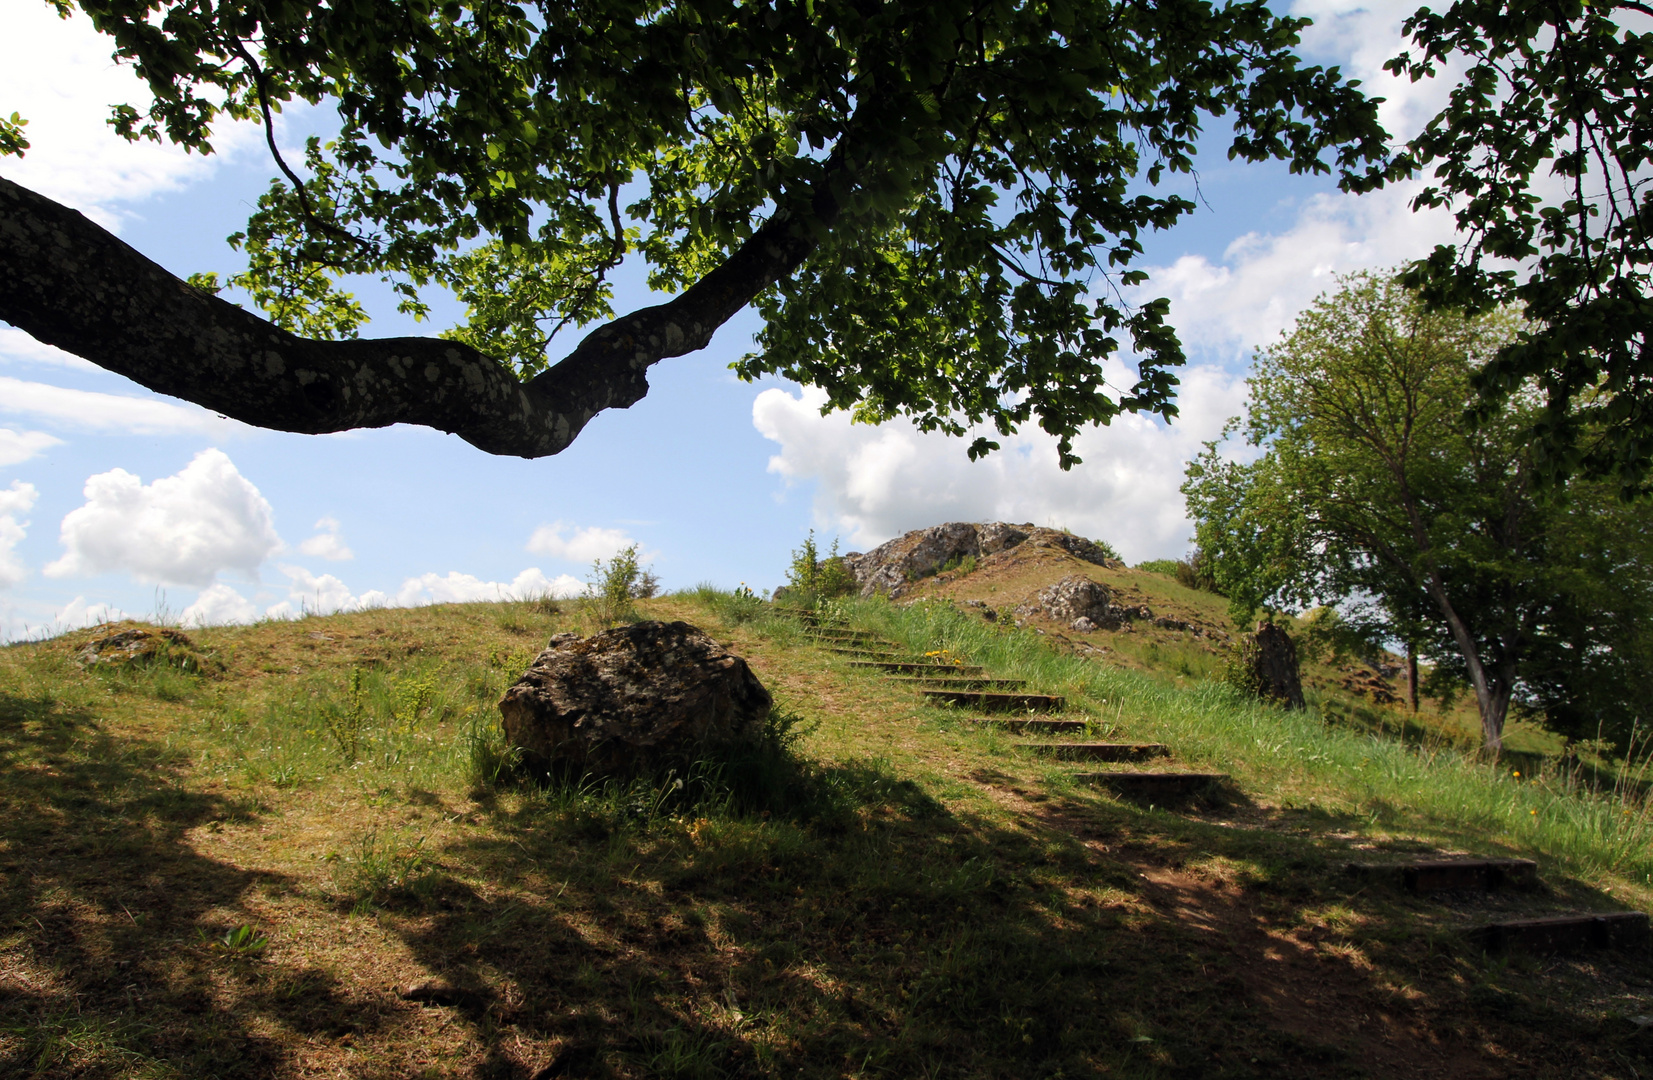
615	583
1327	635
973	181
1372	486
814	578
1194	572
1542	152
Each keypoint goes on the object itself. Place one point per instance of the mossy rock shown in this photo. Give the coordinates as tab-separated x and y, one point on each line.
129	646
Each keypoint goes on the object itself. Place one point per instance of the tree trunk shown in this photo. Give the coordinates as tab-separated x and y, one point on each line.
1274	666
1492	700
1412	676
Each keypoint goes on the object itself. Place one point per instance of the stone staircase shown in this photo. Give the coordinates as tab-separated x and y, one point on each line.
1017	711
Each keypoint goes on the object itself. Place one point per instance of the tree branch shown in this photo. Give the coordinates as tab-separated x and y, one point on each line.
68	282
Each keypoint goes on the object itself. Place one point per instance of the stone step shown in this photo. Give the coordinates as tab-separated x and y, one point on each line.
916	667
1565	933
1098	751
1031	725
990	701
1155	786
963	682
1438	875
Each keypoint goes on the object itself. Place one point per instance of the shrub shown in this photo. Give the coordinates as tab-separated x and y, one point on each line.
811	578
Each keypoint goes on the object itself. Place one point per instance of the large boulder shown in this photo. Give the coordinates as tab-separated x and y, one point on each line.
640	698
1084	605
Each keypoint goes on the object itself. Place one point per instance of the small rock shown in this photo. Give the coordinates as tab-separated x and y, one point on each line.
1083	624
433	992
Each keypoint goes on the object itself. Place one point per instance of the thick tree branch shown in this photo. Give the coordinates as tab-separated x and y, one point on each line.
68	282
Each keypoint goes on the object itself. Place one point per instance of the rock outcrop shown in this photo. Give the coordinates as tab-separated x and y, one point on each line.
640	698
137	646
1084	605
894	565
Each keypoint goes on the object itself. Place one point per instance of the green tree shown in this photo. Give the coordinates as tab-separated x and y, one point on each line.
933	205
1542	153
1371	488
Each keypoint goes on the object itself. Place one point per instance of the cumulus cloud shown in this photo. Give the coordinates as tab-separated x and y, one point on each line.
18	347
1264	280
180	530
873	483
17	447
15	501
457	588
218	605
78	613
59	75
325	594
582	545
116	413
327	544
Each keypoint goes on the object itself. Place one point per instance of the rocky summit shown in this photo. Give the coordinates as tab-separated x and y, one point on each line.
892	566
641	698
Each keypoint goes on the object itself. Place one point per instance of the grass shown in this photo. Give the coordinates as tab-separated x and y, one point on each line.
226	875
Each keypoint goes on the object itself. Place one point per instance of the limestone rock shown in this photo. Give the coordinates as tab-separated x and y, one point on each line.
142	645
1271	657
1082	625
892	566
1076	597
644	697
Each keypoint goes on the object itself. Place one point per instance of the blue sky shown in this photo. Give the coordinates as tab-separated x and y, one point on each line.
114	499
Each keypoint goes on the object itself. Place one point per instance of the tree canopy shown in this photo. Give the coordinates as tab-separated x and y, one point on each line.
1543	153
935	206
1371	491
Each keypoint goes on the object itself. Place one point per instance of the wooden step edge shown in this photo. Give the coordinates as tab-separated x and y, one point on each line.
1442	875
1098	751
990	701
1575	932
1168	787
917	666
1019	724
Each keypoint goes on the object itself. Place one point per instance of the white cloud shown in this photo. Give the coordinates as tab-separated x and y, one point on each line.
78	613
327	544
1265	280
16	346
457	588
324	594
17	447
217	605
584	545
113	413
59	75
180	530
15	501
877	482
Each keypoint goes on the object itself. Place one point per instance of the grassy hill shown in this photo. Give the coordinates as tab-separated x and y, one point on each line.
240	872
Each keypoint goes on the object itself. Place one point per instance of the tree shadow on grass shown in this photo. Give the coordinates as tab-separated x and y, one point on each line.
903	938
107	968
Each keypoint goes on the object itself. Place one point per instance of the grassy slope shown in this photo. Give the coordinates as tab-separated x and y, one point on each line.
922	900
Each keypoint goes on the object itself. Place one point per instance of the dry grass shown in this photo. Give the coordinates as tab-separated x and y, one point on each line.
910	897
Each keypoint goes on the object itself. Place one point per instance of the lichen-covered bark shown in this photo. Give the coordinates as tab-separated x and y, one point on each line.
68	282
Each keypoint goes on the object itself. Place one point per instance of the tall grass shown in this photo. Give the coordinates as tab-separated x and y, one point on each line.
1294	758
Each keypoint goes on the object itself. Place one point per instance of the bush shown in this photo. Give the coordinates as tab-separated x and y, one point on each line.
614	584
811	578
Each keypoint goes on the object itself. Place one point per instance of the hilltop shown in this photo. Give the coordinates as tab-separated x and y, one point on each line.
303	855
